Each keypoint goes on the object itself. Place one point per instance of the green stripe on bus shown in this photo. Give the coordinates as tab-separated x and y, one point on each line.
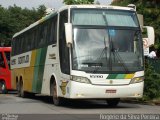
120	76
39	70
36	68
112	76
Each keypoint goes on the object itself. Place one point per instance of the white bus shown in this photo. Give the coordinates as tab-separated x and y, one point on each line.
81	52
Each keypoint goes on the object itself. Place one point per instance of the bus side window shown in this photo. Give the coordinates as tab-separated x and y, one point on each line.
33	40
13	46
36	38
21	45
53	30
17	45
41	36
2	64
24	48
29	37
63	49
45	34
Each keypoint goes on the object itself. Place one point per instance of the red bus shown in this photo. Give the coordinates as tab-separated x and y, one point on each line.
5	73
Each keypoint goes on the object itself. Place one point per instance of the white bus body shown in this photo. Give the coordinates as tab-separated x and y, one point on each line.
89	65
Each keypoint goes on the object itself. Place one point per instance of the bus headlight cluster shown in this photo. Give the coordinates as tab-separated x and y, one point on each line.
80	79
137	80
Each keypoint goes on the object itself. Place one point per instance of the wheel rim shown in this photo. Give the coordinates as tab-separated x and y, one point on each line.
2	86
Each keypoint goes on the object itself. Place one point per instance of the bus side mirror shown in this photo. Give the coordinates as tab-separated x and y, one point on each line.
150	35
68	33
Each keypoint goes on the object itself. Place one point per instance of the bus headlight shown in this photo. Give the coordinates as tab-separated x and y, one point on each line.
80	79
137	80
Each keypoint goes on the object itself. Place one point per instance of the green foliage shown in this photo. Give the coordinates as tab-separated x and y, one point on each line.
70	2
14	19
152	82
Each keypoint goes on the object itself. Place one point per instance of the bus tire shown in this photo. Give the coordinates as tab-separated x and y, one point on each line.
18	89
22	93
3	89
56	100
113	102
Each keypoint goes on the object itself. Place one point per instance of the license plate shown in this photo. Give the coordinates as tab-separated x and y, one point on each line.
111	91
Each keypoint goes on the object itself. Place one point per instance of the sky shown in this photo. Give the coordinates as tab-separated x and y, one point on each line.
35	3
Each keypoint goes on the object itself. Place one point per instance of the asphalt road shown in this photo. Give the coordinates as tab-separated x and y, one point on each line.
39	106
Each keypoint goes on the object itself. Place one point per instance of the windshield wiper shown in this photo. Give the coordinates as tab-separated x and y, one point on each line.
116	53
121	61
104	51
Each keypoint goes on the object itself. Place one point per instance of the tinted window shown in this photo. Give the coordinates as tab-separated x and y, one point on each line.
40	36
13	47
17	45
63	49
53	29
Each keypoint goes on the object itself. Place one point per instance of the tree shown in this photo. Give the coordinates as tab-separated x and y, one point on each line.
70	2
152	81
14	19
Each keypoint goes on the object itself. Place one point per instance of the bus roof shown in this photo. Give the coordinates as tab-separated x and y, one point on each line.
100	7
69	7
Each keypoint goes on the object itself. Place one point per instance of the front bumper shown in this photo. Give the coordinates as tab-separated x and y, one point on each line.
88	91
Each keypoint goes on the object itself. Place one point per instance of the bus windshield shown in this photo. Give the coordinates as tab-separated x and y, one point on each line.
107	46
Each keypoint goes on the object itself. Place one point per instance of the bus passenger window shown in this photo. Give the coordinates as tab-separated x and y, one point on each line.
63	49
29	41
53	30
42	36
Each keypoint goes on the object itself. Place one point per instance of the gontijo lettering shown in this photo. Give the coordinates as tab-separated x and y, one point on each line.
23	59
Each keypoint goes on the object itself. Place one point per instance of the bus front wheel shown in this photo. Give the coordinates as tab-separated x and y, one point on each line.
56	100
3	89
113	102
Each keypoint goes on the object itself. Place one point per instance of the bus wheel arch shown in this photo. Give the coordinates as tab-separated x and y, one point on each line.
3	88
53	92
